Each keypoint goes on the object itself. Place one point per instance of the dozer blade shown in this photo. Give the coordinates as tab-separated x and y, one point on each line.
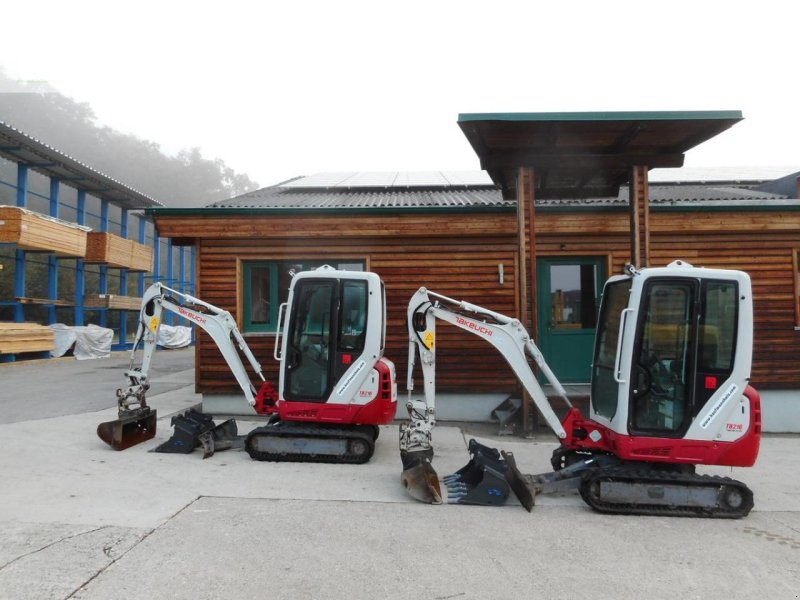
223	437
523	485
481	481
128	431
419	477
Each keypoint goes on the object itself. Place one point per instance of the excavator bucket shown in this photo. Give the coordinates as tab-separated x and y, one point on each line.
128	431
193	429
419	477
188	427
481	481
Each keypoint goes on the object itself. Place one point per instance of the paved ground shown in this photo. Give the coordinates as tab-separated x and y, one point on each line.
78	520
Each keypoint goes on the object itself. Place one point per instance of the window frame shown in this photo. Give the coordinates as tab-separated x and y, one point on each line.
245	265
246	322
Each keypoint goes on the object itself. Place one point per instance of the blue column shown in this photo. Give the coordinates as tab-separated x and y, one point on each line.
123	285
19	255
182	269
156	257
142	240
103	268
170	274
193	271
192	286
52	261
80	269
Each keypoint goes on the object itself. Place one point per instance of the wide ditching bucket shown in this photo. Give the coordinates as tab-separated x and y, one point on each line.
481	481
128	431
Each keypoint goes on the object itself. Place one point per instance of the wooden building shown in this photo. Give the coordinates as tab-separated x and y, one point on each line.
534	240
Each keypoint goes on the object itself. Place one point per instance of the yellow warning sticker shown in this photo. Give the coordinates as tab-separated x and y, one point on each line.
429	339
153	324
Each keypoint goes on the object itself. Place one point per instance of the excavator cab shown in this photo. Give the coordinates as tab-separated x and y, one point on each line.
673	347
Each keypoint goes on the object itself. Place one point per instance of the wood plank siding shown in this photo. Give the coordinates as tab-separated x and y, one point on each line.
457	254
760	243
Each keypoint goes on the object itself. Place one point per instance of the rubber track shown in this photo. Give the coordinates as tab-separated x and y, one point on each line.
649	476
286	430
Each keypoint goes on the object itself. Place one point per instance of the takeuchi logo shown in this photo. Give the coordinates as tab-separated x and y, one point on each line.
476	327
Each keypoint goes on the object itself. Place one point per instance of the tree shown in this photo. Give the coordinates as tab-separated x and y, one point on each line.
188	179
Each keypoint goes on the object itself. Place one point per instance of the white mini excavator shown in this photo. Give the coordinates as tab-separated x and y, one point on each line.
669	391
335	385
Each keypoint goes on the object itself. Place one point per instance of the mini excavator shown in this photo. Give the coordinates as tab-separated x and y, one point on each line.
669	391
335	385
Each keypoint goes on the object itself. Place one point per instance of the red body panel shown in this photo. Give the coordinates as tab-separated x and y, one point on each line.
379	411
741	453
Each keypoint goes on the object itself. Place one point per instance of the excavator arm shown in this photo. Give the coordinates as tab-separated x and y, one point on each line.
136	422
510	339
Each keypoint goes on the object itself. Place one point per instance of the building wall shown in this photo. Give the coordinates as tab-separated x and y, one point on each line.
455	255
458	255
762	243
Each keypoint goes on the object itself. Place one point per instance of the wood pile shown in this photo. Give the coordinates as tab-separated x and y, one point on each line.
39	233
112	301
141	258
118	252
16	338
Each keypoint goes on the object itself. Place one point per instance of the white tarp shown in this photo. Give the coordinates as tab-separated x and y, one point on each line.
90	341
174	336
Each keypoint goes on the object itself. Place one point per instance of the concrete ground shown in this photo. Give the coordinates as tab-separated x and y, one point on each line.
78	520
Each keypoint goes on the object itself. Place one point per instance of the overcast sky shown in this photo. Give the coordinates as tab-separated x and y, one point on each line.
280	89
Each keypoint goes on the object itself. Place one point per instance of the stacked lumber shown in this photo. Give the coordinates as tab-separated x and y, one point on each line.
16	338
39	233
108	249
141	258
112	301
115	251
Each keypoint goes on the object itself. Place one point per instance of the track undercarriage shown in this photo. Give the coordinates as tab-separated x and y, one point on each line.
614	486
287	441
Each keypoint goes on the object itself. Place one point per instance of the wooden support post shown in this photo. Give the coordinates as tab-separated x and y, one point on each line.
639	196
527	262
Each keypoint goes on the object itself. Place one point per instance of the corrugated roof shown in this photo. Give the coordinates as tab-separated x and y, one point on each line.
283	197
390	190
359	191
22	148
392	179
678	194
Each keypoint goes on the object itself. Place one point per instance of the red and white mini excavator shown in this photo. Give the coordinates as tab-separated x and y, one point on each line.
670	390
335	385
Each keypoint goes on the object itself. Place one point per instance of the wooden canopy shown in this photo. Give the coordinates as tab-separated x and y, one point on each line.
585	154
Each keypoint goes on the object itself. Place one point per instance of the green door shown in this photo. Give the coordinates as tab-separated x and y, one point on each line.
568	298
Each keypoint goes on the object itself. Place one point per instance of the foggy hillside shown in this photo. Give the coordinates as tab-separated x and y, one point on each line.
188	179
